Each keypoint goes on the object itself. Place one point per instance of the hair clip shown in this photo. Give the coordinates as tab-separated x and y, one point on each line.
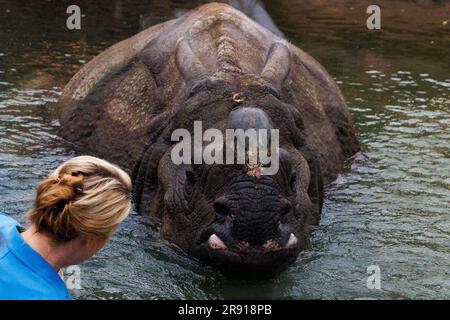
78	190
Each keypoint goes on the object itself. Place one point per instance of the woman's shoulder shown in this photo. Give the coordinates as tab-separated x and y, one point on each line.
24	274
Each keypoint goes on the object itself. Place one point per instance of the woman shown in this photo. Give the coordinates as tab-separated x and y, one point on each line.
75	212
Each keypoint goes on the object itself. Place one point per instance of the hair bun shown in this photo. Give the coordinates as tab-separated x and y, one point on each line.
74	181
54	197
56	192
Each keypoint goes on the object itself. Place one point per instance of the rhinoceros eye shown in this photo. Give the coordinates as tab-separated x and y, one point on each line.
190	181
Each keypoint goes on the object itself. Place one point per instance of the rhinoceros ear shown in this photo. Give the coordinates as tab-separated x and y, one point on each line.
190	67
277	65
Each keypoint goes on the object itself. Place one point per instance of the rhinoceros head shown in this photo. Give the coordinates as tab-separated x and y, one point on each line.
247	224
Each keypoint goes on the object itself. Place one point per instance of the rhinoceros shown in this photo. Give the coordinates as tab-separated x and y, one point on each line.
125	104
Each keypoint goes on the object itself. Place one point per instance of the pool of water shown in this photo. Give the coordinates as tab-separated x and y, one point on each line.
390	208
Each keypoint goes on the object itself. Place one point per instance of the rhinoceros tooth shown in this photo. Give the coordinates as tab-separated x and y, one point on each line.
216	243
292	242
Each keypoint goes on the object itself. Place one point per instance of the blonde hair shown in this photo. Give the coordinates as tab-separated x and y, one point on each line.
85	196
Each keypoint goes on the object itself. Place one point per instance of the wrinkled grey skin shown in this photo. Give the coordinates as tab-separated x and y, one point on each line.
125	104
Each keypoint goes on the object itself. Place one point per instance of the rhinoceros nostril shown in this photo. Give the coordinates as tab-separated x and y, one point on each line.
221	207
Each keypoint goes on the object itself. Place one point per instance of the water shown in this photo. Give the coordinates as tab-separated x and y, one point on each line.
390	208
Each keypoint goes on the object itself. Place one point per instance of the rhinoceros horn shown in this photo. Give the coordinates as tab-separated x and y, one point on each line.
277	65
190	67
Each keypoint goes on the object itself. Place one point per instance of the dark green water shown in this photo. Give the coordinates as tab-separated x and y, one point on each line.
391	208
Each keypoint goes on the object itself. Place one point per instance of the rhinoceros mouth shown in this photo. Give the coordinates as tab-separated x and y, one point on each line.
214	242
240	260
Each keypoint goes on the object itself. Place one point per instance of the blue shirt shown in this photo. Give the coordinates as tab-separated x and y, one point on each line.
24	274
